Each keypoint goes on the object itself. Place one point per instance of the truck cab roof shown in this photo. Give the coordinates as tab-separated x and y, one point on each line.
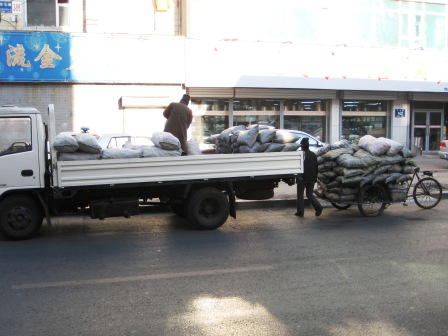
12	109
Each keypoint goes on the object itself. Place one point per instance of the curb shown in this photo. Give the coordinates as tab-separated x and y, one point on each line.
284	203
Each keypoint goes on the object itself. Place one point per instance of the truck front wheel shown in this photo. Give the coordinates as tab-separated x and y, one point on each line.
207	208
20	217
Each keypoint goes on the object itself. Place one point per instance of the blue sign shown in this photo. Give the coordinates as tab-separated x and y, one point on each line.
34	56
67	57
400	113
5	6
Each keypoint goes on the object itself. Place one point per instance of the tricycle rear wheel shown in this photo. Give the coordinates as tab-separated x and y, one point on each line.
372	200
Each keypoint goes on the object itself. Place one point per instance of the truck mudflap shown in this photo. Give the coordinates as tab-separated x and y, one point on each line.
46	210
232	200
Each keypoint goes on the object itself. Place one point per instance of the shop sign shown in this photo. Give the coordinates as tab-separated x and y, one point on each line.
64	57
5	6
400	113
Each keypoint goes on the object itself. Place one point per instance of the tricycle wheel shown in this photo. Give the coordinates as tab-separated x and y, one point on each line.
20	217
372	200
427	193
341	206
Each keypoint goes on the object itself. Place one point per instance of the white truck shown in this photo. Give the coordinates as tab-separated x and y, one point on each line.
201	188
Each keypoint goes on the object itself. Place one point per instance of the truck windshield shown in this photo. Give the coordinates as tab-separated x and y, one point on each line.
15	135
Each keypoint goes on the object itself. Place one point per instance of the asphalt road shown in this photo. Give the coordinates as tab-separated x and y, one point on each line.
265	273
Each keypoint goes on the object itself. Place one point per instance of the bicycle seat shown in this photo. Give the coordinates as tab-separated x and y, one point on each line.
427	173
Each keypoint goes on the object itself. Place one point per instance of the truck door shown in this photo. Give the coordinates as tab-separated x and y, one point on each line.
19	153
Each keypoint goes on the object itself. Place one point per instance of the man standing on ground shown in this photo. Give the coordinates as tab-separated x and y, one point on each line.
306	181
179	117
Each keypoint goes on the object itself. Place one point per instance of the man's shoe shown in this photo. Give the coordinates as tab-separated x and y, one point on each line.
319	211
298	215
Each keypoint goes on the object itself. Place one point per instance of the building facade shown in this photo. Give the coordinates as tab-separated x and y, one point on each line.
333	69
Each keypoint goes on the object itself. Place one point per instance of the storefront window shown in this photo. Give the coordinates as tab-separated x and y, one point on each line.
307	115
354	128
314	125
256	111
210	116
206	126
362	117
364	105
209	104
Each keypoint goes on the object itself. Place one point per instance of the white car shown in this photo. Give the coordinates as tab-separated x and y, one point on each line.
315	143
120	140
443	152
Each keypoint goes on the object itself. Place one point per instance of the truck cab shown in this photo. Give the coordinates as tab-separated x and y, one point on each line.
21	141
22	162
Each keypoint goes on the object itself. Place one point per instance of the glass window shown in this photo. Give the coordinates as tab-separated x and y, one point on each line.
355	127
362	117
256	111
210	116
210	104
305	105
48	13
15	135
314	125
257	119
435	36
63	13
427	105
307	115
364	105
389	23
387	29
205	126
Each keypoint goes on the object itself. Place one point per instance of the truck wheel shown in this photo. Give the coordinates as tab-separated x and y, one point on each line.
20	217
208	209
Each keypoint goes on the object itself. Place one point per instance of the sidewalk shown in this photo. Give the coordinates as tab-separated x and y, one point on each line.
285	196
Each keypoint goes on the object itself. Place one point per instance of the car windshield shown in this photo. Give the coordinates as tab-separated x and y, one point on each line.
312	141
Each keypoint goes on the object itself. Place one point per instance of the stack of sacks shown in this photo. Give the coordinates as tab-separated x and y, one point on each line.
254	139
82	146
165	144
344	168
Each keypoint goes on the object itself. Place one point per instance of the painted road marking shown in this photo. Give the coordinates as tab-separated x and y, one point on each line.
144	277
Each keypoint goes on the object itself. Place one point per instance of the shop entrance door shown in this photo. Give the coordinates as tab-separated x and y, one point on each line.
427	129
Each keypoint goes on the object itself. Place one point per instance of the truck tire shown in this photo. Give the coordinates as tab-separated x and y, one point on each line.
207	208
20	217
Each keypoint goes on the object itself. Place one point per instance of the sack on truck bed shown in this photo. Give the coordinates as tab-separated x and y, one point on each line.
65	143
153	151
248	137
88	144
120	153
165	141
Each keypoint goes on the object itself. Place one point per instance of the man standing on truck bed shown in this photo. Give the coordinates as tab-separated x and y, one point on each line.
179	117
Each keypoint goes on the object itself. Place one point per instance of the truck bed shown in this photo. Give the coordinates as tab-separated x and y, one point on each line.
182	168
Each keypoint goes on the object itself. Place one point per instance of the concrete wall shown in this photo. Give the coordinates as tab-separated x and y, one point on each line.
95	106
